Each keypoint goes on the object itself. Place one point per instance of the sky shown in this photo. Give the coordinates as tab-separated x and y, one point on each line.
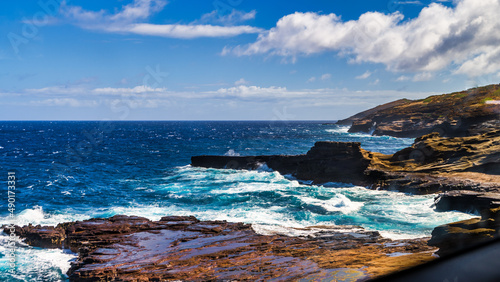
238	59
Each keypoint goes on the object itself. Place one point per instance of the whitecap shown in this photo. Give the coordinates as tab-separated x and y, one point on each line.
340	129
35	263
339	203
232	153
36	216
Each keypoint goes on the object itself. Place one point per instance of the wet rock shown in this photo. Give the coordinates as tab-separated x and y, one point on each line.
456	236
40	236
125	248
468	201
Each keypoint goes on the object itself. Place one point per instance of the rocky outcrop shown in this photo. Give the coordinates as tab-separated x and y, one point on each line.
128	248
466	169
465	113
453	237
468	201
325	162
432	164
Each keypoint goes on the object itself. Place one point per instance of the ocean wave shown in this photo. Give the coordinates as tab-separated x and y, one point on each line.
339	203
34	264
36	215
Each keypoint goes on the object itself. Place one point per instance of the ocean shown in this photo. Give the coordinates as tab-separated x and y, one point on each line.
75	170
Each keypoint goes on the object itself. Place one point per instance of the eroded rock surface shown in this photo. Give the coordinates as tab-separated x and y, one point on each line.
464	234
128	248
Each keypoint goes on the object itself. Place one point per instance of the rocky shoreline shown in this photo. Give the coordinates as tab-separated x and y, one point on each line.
432	164
464	173
456	156
130	248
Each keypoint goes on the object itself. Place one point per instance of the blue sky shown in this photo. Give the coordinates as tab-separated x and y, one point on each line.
237	59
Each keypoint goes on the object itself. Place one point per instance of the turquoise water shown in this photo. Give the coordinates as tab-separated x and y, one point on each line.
77	170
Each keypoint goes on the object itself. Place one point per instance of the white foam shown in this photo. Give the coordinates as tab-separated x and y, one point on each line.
338	203
35	264
340	129
36	216
231	153
394	235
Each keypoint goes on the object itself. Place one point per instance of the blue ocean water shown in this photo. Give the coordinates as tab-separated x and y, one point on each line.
73	170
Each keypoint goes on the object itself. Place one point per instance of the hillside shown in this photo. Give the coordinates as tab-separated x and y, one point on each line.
470	112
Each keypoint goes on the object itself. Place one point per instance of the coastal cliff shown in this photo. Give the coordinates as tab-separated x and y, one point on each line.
432	164
470	112
464	170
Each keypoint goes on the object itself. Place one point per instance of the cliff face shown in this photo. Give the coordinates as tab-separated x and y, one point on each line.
465	113
432	164
325	162
466	169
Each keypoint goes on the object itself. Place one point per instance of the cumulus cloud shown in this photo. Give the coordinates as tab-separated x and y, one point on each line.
128	20
465	37
241	81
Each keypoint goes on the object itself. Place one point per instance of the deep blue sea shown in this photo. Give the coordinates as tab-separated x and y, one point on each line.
75	170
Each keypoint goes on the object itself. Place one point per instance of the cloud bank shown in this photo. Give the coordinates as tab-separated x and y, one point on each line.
464	37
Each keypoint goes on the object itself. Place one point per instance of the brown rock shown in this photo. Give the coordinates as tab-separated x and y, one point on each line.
465	234
124	248
453	115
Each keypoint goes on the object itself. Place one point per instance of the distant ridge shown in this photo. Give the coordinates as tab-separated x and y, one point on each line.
470	112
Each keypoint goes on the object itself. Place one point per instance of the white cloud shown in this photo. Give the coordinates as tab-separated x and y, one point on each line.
403	78
408	3
312	79
365	75
375	82
326	76
186	31
258	100
232	18
241	81
141	89
425	76
128	21
71	102
465	36
248	91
